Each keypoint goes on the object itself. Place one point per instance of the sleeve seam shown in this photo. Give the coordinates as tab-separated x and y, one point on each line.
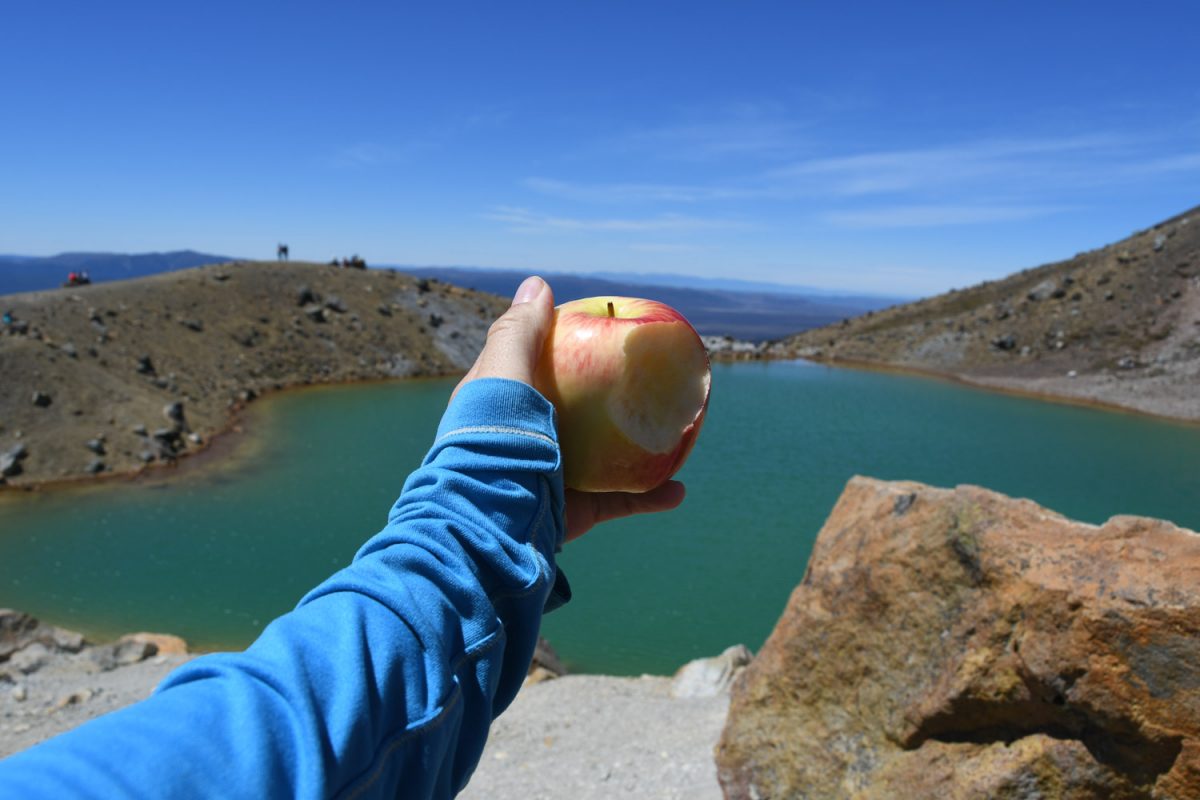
500	429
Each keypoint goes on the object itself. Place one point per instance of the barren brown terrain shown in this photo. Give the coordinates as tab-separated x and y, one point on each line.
110	379
1117	326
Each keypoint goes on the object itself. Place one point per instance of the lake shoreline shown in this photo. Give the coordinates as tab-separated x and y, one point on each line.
1010	386
214	445
220	442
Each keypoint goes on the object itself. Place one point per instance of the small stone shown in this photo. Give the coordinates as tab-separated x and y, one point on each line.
96	446
65	640
123	653
1006	342
139	429
146	456
709	677
70	350
10	465
334	303
1160	241
305	296
195	438
162	643
1072	373
1043	290
145	366
30	658
95	466
41	399
173	411
75	698
19	694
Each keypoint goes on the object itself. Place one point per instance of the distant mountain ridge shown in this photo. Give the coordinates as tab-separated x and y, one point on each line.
752	315
35	273
749	310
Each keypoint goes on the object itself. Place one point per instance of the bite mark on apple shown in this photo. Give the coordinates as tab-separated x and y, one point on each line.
664	393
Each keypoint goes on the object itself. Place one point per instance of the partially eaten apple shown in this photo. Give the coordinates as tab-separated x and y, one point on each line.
630	381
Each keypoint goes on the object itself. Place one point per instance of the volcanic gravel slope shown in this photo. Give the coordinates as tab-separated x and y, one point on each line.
1119	325
89	372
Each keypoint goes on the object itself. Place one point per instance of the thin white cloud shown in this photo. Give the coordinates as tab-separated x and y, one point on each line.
664	247
743	129
929	216
634	192
373	154
524	220
1187	162
919	169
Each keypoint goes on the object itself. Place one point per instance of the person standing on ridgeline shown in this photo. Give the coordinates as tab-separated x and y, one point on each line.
281	252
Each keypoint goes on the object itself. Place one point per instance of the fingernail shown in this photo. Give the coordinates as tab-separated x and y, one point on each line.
530	288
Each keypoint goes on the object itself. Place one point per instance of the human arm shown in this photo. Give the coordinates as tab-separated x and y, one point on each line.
388	674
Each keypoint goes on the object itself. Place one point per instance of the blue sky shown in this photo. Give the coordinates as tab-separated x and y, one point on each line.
892	147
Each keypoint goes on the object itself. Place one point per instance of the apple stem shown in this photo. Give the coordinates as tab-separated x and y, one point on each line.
612	312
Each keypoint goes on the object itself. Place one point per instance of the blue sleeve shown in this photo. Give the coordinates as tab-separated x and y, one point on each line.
384	680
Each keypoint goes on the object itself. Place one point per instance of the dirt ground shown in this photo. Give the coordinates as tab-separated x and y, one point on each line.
113	378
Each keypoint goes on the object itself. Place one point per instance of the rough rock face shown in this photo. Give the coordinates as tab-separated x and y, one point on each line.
961	644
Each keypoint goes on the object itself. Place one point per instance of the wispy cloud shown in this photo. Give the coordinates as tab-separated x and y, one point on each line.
929	216
635	192
664	247
950	165
373	154
524	220
743	129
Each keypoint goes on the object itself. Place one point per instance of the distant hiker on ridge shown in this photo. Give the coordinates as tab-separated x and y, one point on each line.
281	252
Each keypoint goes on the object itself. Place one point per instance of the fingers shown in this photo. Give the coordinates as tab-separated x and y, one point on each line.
515	340
587	509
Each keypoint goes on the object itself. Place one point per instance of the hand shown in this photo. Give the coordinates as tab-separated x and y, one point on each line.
586	509
513	345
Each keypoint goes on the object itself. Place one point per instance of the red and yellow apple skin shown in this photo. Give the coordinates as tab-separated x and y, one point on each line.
630	380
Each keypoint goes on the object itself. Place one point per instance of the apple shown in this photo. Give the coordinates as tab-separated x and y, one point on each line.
630	381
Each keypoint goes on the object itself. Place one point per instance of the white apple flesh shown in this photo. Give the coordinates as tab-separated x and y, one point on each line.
630	381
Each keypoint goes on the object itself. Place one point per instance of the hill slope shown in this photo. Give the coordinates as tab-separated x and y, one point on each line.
106	359
1119	325
35	273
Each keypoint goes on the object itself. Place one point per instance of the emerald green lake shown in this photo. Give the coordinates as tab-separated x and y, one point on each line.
215	550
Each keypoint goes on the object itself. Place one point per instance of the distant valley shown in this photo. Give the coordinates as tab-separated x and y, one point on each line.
756	315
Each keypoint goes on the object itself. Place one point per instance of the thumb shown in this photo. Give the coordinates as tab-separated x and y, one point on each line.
515	340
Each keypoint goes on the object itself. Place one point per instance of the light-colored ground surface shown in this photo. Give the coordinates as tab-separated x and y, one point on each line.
582	737
588	737
39	705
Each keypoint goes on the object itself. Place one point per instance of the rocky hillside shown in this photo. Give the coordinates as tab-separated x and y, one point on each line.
962	644
1119	325
112	378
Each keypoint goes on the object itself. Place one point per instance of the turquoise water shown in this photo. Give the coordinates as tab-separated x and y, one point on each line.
212	554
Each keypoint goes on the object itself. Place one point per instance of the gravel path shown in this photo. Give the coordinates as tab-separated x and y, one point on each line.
579	736
68	691
590	737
